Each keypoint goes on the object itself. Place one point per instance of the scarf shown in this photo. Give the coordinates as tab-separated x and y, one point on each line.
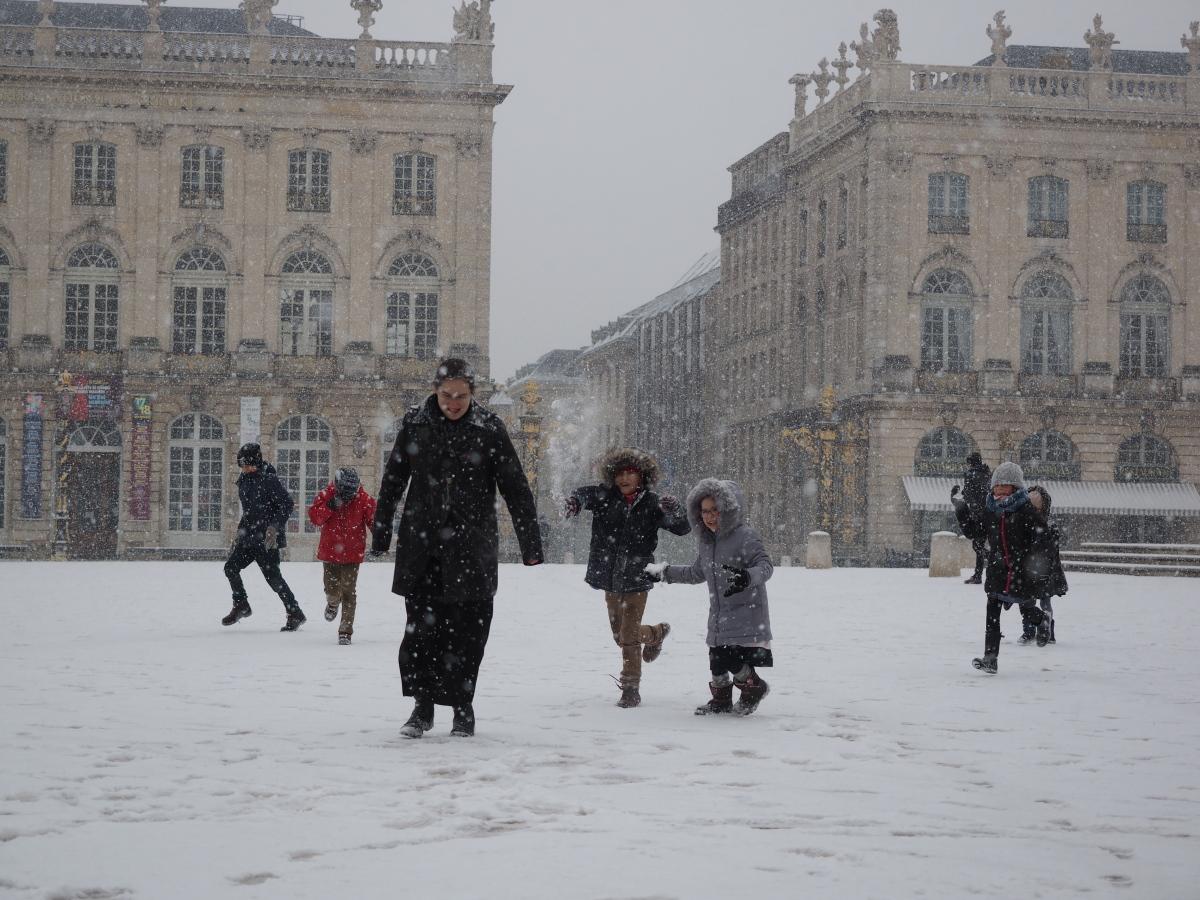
1011	503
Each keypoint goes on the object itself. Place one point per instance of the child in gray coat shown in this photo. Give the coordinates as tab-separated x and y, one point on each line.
731	559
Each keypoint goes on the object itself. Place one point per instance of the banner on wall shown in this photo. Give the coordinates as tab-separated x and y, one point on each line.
139	458
251	430
84	398
31	457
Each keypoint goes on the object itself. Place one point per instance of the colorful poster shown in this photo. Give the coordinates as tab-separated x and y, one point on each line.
31	458
83	398
139	459
251	430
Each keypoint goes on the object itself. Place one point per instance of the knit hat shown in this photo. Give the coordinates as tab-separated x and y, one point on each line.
1009	473
346	481
974	458
250	455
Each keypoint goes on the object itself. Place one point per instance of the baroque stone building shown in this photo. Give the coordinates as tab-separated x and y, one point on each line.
940	258
216	227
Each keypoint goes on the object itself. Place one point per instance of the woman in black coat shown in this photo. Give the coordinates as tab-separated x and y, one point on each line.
1010	525
626	517
452	455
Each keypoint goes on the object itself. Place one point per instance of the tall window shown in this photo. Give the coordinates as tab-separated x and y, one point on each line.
943	453
1145	327
303	445
415	190
1049	454
946	322
306	305
95	182
1048	207
91	299
3	171
308	181
1146	212
412	307
948	211
1046	299
198	315
843	223
1145	457
3	467
195	474
5	297
822	228
202	179
802	239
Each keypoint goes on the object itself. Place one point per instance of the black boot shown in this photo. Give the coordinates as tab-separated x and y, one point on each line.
295	618
464	721
1043	630
977	578
721	702
1052	641
753	690
419	722
630	697
241	610
988	663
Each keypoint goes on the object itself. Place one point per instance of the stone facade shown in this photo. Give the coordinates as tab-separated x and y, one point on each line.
210	225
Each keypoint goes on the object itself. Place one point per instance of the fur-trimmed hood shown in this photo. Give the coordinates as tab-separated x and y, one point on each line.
620	458
730	503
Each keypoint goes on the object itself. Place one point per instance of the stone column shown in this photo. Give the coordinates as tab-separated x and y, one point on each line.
146	250
257	249
364	307
42	311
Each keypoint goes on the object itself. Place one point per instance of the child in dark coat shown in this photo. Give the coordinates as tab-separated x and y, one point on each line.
1046	564
626	517
1011	526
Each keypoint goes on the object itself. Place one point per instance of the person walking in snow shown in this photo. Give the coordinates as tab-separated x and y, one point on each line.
976	487
1046	564
732	561
1011	526
626	517
345	513
261	534
451	455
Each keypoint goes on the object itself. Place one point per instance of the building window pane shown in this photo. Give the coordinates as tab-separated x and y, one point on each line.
90	314
308	181
202	179
303	449
1146	212
946	322
195	474
1046	299
948	203
1048	207
414	191
1145	328
306	306
95	180
3	171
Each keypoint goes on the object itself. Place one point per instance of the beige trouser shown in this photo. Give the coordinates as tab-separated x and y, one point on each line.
625	618
340	582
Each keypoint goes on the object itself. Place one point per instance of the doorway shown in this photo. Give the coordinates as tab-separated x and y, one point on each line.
91	478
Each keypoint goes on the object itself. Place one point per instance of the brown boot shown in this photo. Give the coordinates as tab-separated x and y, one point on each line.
650	652
721	702
753	690
630	697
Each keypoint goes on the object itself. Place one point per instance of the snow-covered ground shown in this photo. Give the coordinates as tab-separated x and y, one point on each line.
147	752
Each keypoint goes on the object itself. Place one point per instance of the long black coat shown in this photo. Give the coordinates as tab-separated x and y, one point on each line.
977	485
452	471
624	537
265	501
1015	561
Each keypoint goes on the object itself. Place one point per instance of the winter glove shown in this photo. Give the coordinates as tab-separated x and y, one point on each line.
956	501
271	538
739	580
656	572
571	507
335	502
669	505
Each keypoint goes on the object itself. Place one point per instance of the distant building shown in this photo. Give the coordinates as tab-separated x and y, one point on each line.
215	227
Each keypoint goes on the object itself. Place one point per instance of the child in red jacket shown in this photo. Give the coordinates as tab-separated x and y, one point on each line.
344	513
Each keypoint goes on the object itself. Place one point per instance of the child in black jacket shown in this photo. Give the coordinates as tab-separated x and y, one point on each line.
626	517
1011	526
1046	564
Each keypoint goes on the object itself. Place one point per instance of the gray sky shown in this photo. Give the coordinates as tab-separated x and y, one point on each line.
611	151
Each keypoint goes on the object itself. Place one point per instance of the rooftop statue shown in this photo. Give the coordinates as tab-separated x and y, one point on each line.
473	21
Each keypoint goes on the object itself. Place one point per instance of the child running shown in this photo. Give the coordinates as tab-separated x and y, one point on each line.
344	512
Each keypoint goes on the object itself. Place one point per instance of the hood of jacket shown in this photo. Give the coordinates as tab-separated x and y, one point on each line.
620	458
730	504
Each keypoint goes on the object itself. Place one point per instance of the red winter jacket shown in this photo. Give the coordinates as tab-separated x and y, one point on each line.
343	530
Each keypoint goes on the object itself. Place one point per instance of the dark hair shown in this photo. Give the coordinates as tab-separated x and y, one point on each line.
974	458
453	369
250	455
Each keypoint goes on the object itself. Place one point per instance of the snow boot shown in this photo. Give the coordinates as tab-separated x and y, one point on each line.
1027	636
344	640
295	618
721	702
630	697
1051	639
650	652
1043	630
331	609
974	579
464	721
987	663
753	690
419	722
241	610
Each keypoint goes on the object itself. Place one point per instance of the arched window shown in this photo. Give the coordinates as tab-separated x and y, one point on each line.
1146	212
95	177
3	468
308	181
414	191
943	452
948	210
195	473
1046	299
86	437
1048	207
1145	457
303	447
412	306
1049	455
946	322
5	297
92	292
1145	327
306	305
198	314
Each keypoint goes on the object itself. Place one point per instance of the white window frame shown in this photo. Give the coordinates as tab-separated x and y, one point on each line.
92	274
306	305
942	452
94	179
202	177
1049	454
1146	212
1049	207
310	180
195	470
414	185
951	311
303	451
949	203
199	303
412	307
1145	326
1046	302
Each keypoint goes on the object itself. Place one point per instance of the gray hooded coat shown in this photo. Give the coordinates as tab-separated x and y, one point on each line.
741	619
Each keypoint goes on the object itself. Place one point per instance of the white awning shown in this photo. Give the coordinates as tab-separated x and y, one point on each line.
1089	498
